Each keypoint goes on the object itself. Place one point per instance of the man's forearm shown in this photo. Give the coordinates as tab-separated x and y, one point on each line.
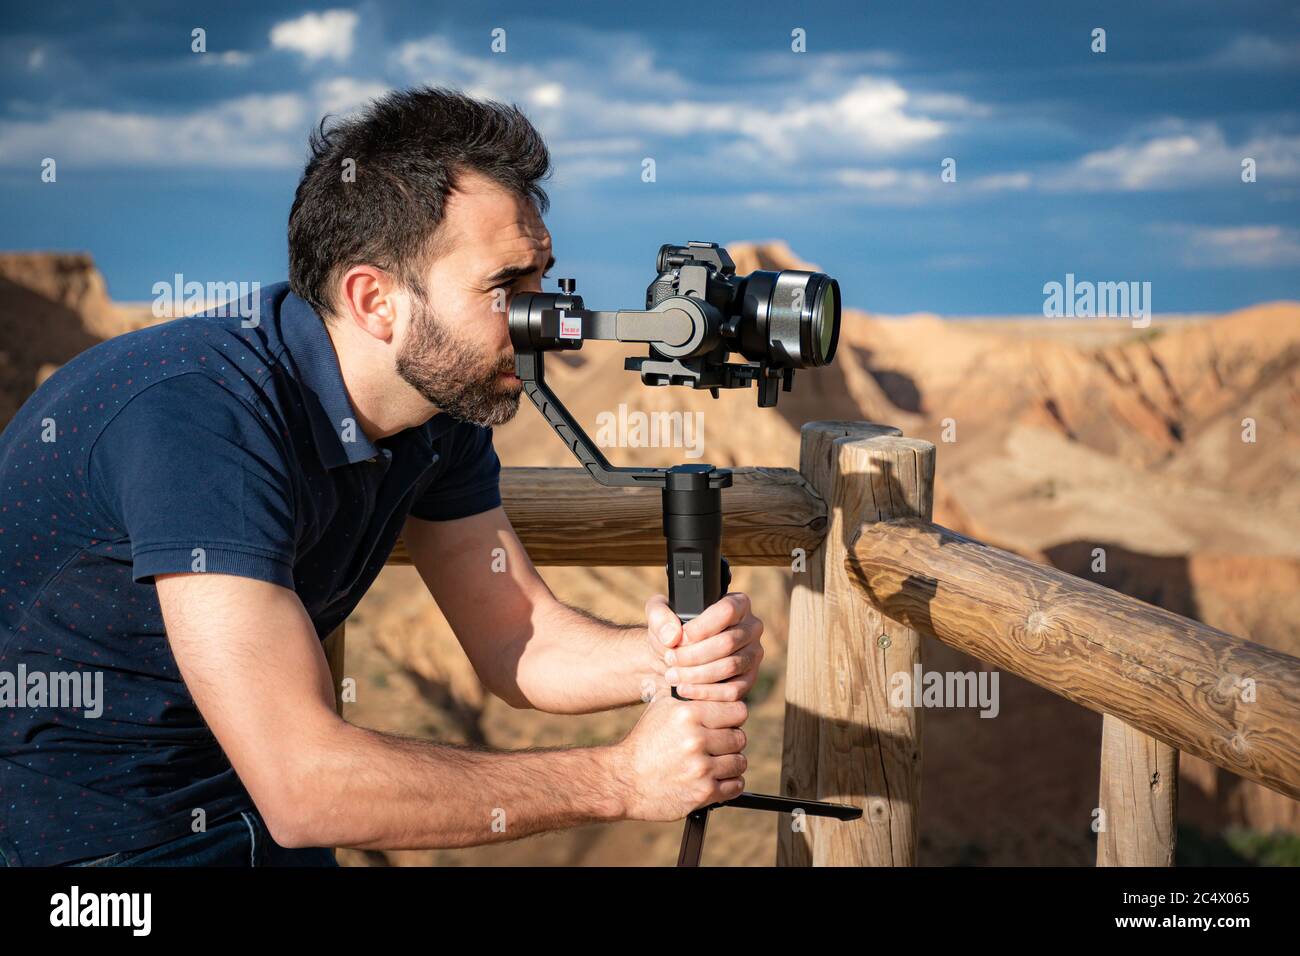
576	663
361	788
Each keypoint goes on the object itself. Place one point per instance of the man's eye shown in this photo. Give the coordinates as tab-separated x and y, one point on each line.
510	284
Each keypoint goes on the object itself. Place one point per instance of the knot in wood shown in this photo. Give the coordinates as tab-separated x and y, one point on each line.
1038	624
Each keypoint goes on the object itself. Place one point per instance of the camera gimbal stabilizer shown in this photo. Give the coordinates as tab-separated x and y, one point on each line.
697	312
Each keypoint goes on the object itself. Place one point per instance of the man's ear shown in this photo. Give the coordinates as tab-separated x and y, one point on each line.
368	299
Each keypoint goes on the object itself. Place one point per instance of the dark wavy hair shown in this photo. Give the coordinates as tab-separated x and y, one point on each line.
407	148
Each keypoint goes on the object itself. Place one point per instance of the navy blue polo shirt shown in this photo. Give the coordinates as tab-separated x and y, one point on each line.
195	445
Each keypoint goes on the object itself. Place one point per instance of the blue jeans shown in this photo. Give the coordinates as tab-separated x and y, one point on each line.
239	841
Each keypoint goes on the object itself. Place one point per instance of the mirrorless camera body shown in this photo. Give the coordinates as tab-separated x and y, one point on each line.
698	313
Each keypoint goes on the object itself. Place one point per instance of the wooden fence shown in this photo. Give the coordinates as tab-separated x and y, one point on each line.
872	575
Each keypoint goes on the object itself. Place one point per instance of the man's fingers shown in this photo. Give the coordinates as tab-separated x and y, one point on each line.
730	609
730	641
724	691
729	741
661	621
730	789
718	715
712	672
730	765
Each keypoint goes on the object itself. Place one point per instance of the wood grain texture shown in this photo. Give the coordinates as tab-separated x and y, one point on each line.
1138	799
564	517
842	741
1197	689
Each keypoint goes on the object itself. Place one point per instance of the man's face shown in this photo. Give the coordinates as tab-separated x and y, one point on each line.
457	350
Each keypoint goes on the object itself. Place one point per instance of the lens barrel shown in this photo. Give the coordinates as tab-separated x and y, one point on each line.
789	318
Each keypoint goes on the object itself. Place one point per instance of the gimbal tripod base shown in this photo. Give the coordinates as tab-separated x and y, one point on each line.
698	820
698	576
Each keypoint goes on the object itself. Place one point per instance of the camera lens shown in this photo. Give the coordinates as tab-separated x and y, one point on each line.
790	319
826	321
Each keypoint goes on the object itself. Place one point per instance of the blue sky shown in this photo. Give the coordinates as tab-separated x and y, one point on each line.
1122	165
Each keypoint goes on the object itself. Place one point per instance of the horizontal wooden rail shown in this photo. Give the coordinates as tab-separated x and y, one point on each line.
563	517
1229	701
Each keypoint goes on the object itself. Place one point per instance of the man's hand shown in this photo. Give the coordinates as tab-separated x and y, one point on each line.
714	656
681	755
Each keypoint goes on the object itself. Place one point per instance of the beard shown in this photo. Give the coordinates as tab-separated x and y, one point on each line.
452	375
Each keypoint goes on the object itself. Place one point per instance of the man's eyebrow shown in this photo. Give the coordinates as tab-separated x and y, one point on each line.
510	273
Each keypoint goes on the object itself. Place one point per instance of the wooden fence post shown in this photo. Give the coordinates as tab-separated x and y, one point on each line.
1139	797
843	742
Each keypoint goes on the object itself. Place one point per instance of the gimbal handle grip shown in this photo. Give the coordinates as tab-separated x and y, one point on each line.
689	615
698	574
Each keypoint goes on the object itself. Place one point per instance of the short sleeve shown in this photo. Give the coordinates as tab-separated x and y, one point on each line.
471	481
199	482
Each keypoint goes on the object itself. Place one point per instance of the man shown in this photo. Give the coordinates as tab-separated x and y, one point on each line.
189	509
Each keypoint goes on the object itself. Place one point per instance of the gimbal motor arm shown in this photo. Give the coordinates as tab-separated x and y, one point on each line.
541	322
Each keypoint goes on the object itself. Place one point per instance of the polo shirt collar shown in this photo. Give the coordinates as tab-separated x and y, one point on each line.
323	392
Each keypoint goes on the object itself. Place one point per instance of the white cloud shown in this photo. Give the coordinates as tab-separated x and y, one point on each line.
547	95
583	169
1251	51
227	58
769	129
589	147
1176	155
951	104
818	67
435	60
870	117
873	179
1142	165
584	160
1171	155
1253	246
261	130
343	94
609	95
317	35
636	68
257	130
901	187
998	182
